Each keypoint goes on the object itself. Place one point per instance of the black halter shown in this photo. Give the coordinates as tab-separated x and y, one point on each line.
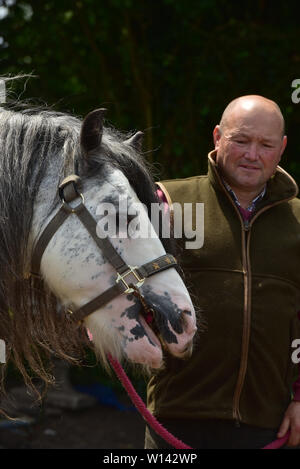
69	191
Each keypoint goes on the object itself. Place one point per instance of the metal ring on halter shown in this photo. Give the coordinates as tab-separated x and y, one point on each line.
75	209
128	288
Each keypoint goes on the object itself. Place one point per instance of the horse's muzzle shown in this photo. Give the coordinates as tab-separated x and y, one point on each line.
187	351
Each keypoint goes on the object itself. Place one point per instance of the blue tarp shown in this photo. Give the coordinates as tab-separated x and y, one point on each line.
105	395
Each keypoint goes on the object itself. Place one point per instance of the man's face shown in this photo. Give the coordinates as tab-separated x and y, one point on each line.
249	148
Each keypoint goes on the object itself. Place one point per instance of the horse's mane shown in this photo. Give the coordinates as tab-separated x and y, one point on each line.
30	137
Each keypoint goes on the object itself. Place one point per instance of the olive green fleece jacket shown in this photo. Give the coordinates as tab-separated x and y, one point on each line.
247	283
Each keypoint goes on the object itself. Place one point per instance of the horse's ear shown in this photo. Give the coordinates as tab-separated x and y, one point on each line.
135	141
91	131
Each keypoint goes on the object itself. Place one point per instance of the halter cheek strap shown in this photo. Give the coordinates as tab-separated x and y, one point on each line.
129	278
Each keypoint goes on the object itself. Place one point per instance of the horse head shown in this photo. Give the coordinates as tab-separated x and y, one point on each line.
77	271
117	190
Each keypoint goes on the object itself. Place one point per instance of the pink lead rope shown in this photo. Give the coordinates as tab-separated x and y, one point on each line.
278	443
139	404
153	422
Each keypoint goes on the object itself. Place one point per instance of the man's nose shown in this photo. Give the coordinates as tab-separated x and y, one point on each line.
252	152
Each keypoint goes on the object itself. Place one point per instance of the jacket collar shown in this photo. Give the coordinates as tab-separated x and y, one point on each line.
280	188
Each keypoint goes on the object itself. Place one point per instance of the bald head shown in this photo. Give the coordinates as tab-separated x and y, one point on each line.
251	105
249	143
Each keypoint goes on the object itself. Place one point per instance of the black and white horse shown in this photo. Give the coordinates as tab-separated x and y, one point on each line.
38	149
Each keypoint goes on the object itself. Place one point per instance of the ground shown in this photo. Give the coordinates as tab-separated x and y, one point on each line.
94	428
86	409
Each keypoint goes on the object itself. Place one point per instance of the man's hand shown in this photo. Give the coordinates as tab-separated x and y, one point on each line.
291	422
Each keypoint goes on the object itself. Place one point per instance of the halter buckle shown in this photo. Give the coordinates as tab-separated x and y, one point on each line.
68	191
131	270
76	208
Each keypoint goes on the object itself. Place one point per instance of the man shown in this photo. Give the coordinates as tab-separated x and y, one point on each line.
239	388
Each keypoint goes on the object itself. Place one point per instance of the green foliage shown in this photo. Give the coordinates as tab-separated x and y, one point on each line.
167	66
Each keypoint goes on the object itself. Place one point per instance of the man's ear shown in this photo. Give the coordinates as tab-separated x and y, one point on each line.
217	136
283	145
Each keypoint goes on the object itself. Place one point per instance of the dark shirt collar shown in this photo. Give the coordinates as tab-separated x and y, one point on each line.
252	207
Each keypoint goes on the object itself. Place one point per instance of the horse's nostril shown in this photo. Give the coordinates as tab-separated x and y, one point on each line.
187	312
187	323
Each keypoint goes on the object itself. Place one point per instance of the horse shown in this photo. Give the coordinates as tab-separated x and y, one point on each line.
46	279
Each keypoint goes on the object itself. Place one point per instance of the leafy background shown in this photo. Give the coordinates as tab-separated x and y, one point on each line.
168	67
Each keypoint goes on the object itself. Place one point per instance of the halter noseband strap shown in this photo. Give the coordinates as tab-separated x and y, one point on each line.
69	190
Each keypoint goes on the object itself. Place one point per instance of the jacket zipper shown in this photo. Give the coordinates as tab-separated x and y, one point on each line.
246	227
246	320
